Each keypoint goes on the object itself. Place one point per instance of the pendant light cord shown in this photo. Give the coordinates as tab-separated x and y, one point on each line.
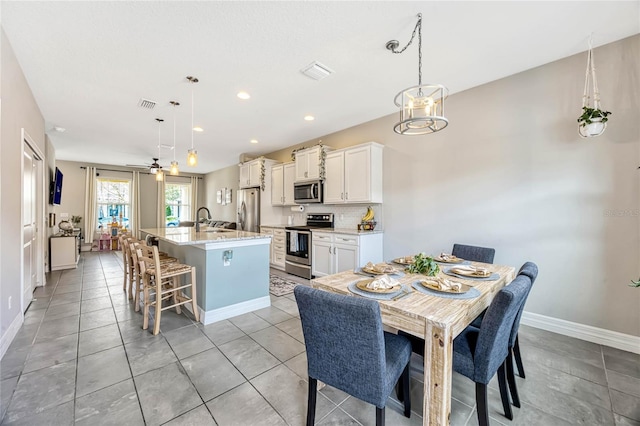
192	115
418	29
174	132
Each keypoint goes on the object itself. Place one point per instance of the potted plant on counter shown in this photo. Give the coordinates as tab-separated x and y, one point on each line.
423	264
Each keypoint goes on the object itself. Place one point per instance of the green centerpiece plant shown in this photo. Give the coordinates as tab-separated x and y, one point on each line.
635	283
423	264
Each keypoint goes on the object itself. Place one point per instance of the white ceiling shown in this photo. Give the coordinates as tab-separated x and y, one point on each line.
88	64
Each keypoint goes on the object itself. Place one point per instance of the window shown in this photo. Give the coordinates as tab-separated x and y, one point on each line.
113	202
177	201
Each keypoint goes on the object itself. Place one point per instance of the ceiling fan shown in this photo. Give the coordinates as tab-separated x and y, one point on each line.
153	167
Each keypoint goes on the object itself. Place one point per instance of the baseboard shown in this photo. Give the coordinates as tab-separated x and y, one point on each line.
215	315
10	334
625	342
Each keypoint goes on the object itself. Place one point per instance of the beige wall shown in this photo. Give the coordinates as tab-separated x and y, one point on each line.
223	178
511	172
19	110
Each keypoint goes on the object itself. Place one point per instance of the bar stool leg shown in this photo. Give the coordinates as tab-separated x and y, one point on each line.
194	304
145	314
176	296
156	324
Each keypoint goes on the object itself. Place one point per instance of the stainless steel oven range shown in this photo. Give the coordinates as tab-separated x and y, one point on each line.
298	257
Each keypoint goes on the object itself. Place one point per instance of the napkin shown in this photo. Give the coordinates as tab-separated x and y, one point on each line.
445	285
382	282
466	269
447	256
380	268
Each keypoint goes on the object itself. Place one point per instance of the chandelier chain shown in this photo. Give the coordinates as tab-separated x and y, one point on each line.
418	29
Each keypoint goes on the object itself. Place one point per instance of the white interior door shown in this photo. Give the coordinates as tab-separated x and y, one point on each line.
29	204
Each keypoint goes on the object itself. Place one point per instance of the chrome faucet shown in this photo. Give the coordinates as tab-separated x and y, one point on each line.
198	218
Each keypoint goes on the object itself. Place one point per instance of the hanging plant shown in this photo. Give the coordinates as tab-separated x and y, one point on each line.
593	120
262	173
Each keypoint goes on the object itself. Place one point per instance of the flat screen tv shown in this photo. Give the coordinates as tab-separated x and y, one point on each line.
56	188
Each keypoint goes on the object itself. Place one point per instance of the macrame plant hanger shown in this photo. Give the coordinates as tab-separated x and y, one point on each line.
596	128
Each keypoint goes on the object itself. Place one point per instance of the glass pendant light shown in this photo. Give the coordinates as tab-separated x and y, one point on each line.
174	164
421	106
192	154
159	173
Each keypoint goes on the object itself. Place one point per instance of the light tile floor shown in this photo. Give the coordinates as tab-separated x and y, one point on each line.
81	357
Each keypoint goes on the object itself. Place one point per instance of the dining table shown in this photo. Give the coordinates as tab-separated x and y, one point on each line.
436	318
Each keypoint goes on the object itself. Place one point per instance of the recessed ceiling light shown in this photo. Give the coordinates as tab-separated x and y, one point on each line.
198	129
59	129
309	117
243	95
254	141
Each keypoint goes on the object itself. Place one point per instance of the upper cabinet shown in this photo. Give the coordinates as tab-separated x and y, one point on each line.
282	177
354	175
250	173
308	163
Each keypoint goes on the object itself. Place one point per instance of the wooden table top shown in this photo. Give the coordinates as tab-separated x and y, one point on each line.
411	312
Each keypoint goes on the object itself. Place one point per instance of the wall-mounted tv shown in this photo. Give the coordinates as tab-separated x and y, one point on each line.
56	188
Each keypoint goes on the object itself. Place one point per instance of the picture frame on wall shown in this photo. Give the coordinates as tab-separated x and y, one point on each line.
219	196
224	196
227	196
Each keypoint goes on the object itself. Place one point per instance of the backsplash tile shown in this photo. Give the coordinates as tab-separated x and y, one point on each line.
346	216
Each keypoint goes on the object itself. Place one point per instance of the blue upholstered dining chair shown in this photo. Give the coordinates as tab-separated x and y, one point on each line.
347	349
473	253
530	270
480	353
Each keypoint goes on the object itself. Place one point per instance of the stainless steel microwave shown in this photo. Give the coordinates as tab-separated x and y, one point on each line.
307	192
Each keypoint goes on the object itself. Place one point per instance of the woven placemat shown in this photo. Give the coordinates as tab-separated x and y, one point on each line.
378	296
491	277
464	262
359	271
471	294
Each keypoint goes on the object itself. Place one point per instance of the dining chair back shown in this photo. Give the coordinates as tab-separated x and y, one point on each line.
480	353
348	349
474	253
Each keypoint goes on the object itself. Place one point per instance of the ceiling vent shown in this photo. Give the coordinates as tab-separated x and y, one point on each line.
316	71
146	103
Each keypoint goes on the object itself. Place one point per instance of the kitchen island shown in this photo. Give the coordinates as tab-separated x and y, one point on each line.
232	267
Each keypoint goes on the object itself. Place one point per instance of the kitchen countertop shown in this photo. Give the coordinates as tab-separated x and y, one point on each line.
349	231
274	226
189	236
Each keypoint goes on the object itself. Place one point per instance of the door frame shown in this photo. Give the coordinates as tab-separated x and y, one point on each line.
27	142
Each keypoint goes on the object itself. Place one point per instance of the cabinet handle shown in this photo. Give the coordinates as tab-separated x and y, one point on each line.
342	195
346	195
306	174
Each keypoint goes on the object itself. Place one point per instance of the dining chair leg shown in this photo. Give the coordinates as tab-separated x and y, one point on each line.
511	380
406	392
379	416
516	354
311	402
482	405
504	393
131	285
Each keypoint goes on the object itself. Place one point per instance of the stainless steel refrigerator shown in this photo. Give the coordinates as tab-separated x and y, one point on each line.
248	203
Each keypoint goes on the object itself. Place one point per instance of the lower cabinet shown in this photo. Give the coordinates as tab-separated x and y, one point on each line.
278	247
332	252
64	252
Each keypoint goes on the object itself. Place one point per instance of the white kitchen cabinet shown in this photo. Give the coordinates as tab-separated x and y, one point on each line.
277	185
282	177
278	247
250	174
308	163
64	251
289	178
354	175
333	252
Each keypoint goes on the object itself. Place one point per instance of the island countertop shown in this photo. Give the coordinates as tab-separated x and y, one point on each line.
188	235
